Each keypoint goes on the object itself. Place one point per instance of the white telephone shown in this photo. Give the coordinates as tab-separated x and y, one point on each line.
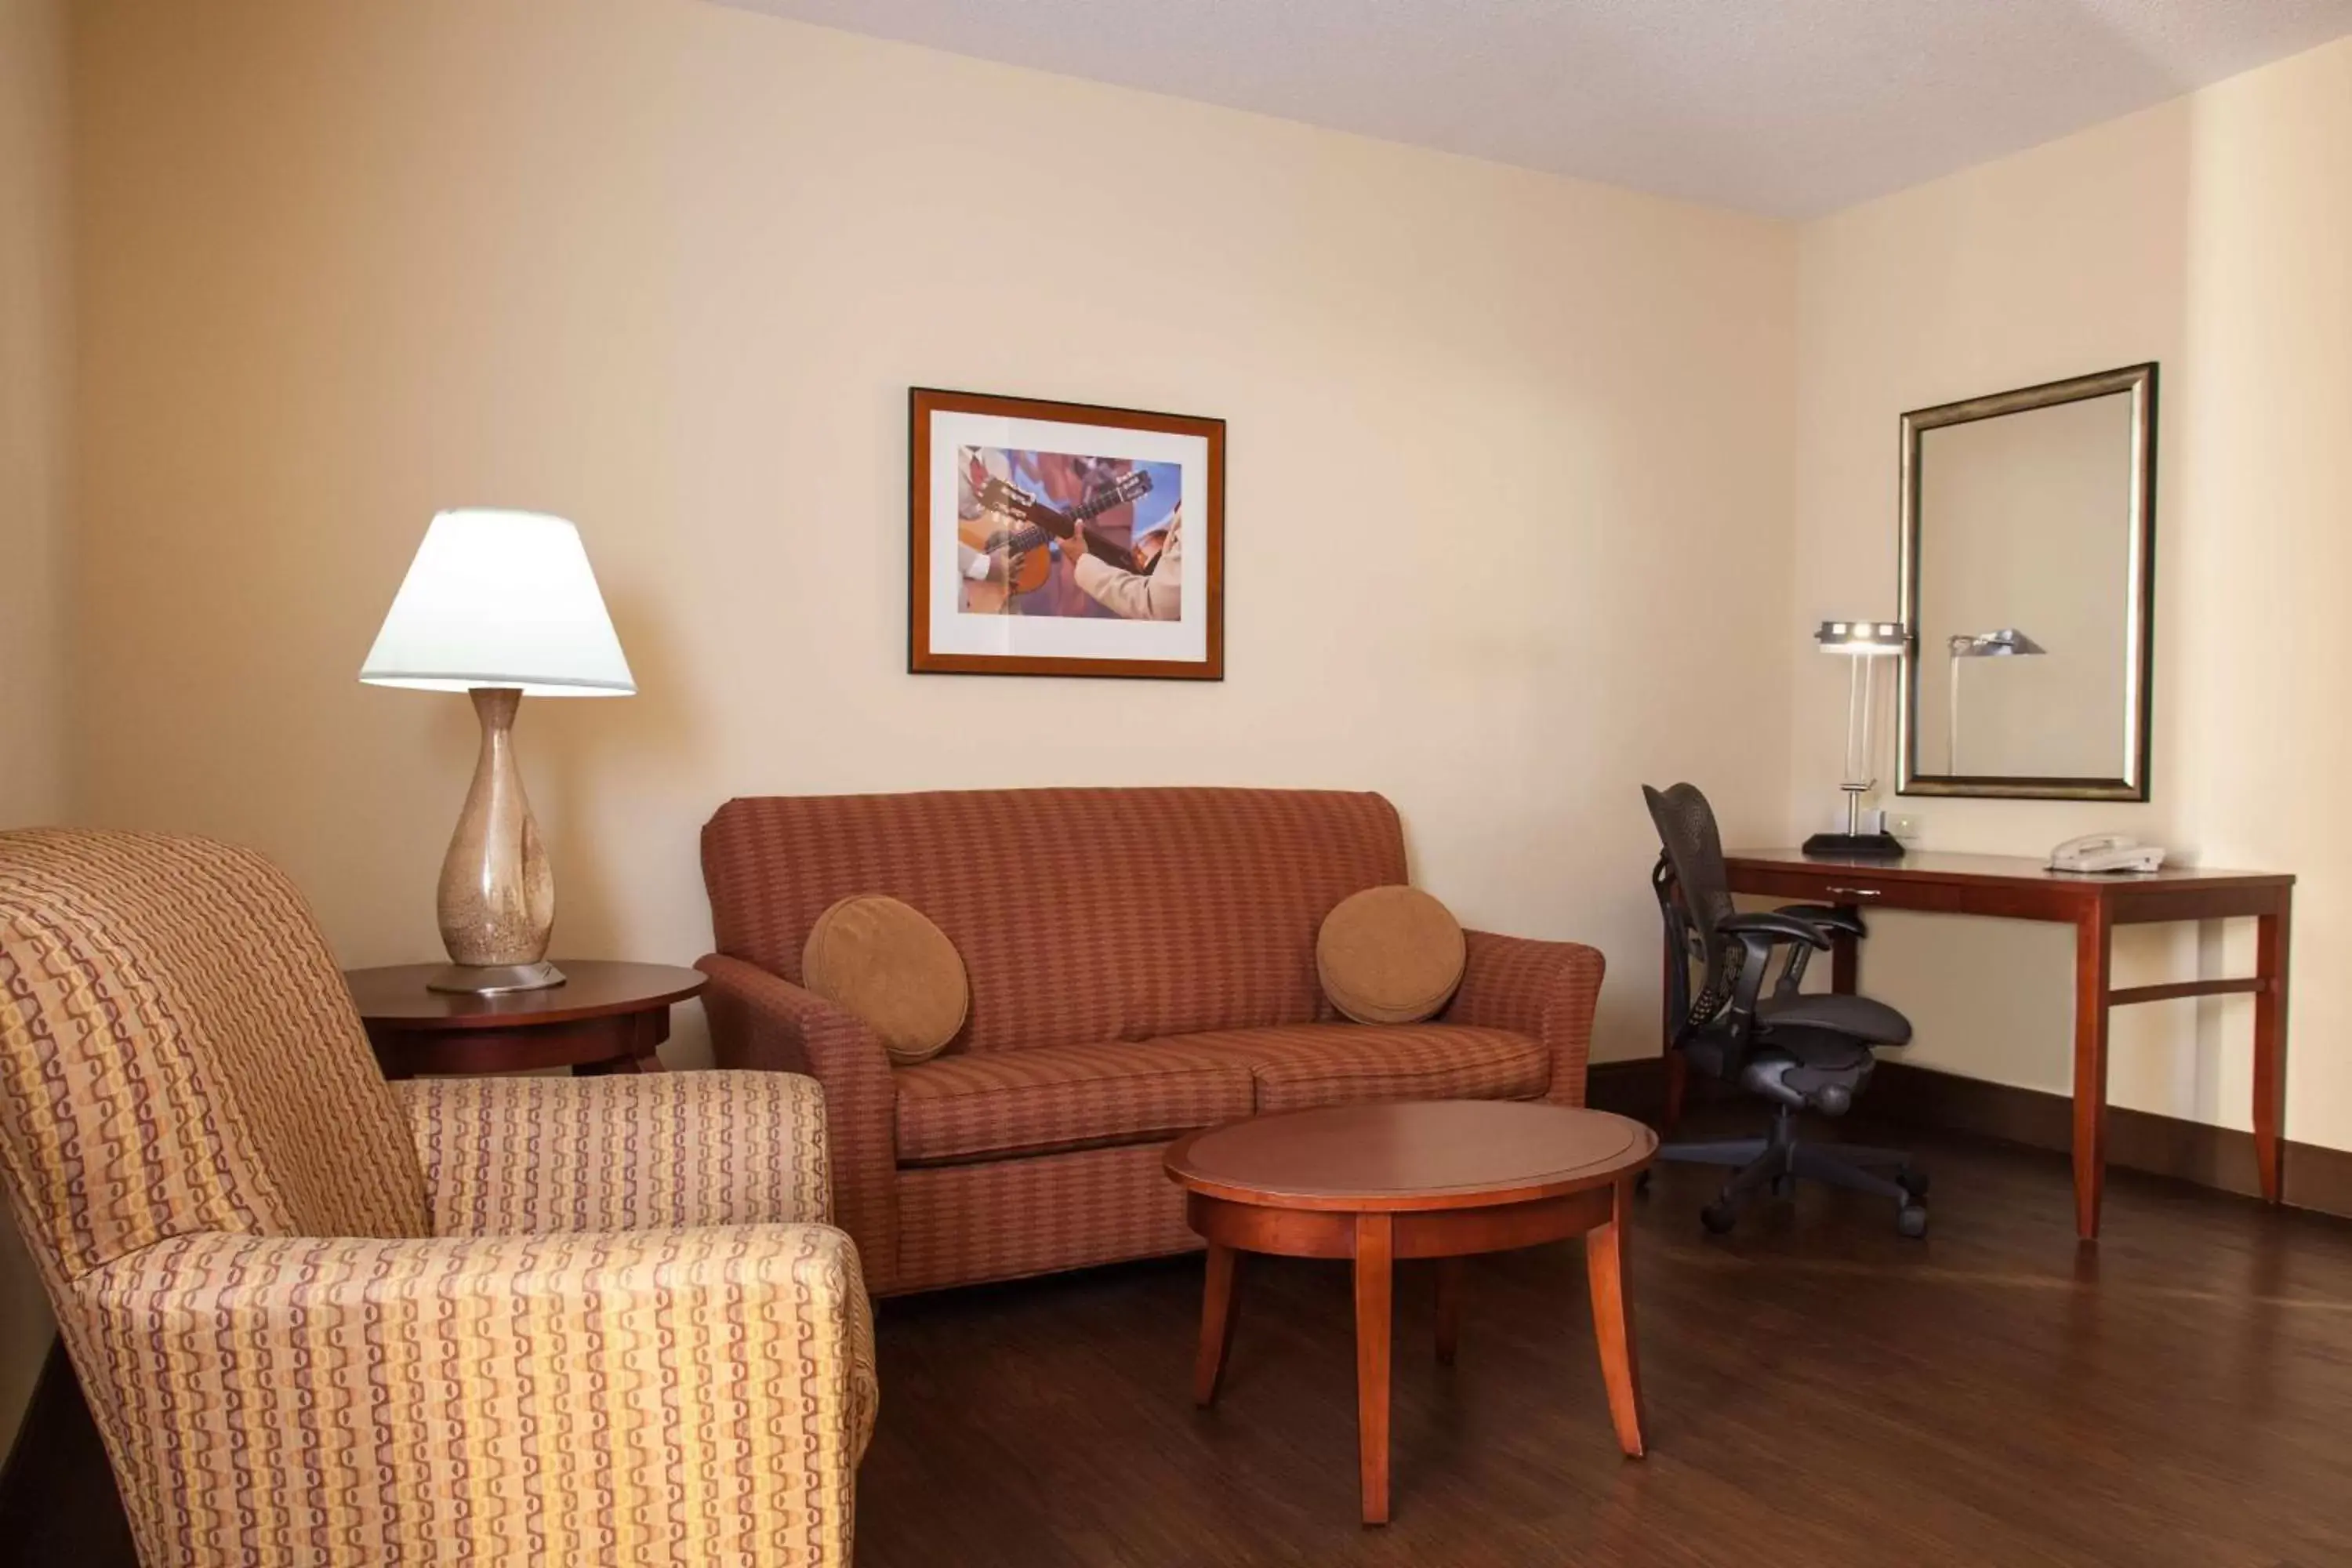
2106	852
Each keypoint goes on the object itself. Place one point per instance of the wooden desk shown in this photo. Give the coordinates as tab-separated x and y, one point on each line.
2020	889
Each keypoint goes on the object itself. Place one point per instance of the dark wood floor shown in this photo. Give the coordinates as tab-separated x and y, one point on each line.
1820	1393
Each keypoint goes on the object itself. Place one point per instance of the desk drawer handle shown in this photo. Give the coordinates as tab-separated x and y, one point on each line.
1856	893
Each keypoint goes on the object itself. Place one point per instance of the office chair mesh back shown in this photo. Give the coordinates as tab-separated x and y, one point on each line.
1693	848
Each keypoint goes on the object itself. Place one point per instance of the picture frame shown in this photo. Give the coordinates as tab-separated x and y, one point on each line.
1070	539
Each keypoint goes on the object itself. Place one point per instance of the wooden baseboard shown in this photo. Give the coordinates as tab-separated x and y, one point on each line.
2317	1177
57	1502
1634	1089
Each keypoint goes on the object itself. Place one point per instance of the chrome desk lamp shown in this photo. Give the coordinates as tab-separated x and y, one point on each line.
1865	643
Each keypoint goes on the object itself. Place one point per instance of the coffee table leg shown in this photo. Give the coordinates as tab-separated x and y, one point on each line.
1375	1254
1612	1322
1216	1324
1449	1308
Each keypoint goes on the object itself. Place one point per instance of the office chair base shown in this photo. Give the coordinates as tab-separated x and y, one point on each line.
1779	1162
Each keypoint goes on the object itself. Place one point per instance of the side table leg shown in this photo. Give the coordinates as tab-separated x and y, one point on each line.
1216	1325
1375	1254
1612	1322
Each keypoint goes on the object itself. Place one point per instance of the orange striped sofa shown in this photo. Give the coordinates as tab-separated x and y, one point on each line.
322	1319
1142	964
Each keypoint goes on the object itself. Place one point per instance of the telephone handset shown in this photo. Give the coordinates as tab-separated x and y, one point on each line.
2106	852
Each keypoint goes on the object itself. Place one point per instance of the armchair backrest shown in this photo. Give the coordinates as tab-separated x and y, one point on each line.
179	1053
1082	915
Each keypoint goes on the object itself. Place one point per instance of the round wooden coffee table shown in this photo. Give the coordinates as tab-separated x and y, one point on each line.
1440	1179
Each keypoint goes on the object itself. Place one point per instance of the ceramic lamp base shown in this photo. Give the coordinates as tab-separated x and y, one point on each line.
493	979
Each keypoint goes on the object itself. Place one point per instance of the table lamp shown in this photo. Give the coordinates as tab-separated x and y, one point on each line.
1864	642
500	605
2006	643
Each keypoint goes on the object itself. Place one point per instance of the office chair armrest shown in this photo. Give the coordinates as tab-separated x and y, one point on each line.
1830	917
1777	927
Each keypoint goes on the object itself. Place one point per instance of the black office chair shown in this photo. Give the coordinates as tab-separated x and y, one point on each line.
1802	1052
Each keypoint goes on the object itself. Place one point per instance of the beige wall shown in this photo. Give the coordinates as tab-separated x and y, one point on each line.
35	357
1510	455
2210	234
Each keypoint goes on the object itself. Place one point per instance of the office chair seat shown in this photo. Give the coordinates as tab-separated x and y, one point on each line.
1857	1017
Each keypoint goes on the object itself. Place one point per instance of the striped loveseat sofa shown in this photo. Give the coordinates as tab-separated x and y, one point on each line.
325	1319
1141	962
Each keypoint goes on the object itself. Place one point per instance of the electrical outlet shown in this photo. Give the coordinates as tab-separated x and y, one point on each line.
1903	826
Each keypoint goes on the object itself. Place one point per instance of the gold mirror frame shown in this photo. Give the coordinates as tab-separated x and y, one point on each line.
2139	382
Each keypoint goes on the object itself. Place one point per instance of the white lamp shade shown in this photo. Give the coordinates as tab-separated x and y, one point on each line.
500	598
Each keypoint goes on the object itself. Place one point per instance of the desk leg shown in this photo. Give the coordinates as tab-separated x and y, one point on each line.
1375	1254
1845	964
2271	938
2093	942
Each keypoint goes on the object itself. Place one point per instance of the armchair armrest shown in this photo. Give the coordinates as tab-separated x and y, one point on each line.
520	1156
676	1397
1544	989
764	1022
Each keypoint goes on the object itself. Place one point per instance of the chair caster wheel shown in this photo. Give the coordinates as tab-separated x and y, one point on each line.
1912	1182
1719	1218
1911	1219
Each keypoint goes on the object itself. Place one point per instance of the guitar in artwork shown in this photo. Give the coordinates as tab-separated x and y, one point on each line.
1036	524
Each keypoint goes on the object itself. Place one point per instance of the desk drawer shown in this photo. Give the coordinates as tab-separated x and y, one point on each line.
1868	890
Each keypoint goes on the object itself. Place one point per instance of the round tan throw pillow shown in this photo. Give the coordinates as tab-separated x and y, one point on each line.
884	964
1389	956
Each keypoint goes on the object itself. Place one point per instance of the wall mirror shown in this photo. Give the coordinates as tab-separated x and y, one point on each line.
2028	535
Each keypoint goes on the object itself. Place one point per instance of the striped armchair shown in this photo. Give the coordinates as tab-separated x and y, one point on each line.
320	1319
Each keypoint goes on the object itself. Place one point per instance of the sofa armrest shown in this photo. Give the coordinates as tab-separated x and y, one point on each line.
525	1156
762	1022
1545	990
507	1399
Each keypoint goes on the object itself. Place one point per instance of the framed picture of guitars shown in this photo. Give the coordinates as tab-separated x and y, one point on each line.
1064	539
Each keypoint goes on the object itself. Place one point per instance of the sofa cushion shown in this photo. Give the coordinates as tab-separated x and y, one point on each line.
882	962
1303	1066
1053	1098
1389	956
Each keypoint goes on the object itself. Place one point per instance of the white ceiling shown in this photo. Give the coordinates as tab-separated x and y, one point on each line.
1787	107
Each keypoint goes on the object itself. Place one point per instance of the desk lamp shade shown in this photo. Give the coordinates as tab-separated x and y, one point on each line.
498	605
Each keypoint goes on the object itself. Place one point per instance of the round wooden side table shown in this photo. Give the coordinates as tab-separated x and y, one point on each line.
1442	1179
604	1017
